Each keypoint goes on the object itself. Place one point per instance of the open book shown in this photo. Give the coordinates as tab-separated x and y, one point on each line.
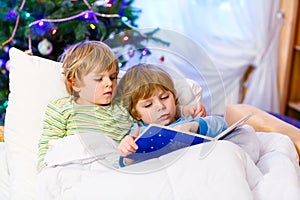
157	140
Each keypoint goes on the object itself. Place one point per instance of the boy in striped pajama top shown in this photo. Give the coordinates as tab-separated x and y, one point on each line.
90	70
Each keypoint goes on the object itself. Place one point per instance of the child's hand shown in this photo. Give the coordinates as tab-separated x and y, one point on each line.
197	110
192	126
128	145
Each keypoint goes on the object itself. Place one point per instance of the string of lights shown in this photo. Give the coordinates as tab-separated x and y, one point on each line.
87	14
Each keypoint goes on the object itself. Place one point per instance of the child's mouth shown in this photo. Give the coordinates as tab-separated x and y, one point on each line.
164	116
108	93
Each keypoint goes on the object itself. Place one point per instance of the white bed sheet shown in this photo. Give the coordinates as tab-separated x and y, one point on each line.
275	176
225	173
221	175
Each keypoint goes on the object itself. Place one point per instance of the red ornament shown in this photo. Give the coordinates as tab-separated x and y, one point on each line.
53	31
162	59
125	39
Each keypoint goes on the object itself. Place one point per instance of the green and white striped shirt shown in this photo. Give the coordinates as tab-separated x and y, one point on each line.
64	117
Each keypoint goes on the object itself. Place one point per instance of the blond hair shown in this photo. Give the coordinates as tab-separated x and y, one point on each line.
141	82
82	58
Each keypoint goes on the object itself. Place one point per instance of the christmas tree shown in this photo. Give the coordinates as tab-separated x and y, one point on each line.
45	28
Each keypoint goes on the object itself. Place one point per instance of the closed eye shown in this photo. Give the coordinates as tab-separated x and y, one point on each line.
164	97
148	105
98	79
113	78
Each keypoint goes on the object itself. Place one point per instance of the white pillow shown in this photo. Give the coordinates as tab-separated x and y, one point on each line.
34	81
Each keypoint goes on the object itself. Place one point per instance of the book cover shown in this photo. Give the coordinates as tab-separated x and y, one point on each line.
157	140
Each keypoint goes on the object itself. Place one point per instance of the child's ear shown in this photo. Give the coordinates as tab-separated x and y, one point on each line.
75	86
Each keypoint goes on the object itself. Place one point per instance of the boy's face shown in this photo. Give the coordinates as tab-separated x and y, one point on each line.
97	89
160	108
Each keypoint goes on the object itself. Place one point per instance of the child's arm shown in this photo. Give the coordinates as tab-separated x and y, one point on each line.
128	146
53	128
211	125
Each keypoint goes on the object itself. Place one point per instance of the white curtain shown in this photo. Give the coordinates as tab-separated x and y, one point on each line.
235	34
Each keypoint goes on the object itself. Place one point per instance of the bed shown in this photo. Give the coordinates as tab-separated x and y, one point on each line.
217	170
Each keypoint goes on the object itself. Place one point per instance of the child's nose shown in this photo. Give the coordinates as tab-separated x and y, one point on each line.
107	82
159	105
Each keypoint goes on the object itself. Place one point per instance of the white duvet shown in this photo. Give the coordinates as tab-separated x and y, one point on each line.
77	169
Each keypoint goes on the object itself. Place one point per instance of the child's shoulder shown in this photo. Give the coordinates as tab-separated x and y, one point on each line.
61	102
